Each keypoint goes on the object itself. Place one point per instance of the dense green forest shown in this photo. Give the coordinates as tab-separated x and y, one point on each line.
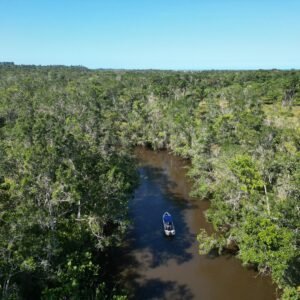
67	169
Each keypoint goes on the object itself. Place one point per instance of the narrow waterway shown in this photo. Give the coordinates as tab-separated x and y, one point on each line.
157	267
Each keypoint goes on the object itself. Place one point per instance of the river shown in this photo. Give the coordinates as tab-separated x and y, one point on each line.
157	267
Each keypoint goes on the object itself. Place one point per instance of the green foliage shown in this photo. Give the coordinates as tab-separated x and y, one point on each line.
67	135
68	176
291	293
247	173
73	276
266	244
208	243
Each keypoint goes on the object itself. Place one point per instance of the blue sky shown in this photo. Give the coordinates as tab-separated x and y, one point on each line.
160	34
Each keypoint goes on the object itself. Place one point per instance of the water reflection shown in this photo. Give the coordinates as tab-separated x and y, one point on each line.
153	266
150	202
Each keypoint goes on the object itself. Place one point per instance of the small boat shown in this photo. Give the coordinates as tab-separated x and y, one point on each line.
169	228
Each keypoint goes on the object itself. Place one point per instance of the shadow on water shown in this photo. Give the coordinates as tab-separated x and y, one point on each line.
147	247
152	199
158	289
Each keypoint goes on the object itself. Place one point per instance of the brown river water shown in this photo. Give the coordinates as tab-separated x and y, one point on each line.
153	266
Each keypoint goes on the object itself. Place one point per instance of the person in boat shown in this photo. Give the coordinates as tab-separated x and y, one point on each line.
169	226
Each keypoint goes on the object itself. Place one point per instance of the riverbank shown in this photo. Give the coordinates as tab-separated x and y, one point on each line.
155	267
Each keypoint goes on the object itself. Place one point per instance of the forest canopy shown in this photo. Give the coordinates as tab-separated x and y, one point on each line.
67	171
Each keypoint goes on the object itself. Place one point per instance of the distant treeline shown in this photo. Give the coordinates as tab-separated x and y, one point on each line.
7	63
67	172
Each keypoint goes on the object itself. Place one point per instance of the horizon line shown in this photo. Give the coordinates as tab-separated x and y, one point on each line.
8	63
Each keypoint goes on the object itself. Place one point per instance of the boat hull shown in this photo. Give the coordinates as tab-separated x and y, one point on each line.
168	225
169	232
